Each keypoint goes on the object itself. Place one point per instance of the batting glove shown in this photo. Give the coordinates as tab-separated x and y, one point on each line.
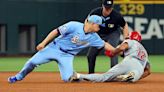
109	53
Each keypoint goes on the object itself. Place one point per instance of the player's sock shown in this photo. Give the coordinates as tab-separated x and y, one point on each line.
28	67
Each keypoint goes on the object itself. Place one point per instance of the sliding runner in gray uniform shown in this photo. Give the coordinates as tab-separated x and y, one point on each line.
132	67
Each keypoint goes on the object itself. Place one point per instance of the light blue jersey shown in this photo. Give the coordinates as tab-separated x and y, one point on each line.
62	49
73	38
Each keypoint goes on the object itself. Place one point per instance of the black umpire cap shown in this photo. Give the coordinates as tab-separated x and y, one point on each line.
107	3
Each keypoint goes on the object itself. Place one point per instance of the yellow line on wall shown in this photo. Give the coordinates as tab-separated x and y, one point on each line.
138	2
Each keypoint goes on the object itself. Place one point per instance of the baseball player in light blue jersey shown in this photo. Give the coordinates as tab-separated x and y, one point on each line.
133	67
73	37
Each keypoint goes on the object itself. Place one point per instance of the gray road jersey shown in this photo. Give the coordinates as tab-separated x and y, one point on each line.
136	50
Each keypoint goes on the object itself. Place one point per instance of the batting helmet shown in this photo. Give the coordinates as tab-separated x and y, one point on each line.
135	36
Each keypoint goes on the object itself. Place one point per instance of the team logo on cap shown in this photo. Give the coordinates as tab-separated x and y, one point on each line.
109	2
97	21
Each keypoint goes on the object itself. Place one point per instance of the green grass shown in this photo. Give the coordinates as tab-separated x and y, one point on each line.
80	64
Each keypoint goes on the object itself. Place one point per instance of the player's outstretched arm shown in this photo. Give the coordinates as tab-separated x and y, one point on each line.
49	38
108	47
115	51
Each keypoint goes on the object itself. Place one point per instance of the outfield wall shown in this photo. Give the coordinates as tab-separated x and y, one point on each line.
146	16
24	23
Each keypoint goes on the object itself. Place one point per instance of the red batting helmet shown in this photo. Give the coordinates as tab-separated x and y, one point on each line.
135	36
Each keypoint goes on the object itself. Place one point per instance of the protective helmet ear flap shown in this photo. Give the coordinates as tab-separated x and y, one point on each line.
135	36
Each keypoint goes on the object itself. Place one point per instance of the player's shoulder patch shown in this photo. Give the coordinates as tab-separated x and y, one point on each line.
62	29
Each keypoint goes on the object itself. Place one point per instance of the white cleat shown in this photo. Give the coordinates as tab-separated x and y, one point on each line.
74	77
126	78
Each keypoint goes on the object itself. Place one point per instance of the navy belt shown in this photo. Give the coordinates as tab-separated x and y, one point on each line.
65	51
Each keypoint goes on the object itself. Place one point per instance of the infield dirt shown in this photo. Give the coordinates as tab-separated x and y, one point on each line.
51	82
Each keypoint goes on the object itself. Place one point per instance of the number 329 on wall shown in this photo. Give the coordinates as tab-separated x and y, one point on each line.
132	9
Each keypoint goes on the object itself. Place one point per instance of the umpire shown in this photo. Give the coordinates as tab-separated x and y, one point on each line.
109	31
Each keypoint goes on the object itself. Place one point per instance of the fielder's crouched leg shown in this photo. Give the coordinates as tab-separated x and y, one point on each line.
28	67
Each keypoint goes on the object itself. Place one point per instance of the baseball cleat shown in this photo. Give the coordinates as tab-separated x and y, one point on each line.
12	79
126	78
74	78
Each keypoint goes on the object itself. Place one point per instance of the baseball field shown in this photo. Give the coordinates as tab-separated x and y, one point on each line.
47	78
